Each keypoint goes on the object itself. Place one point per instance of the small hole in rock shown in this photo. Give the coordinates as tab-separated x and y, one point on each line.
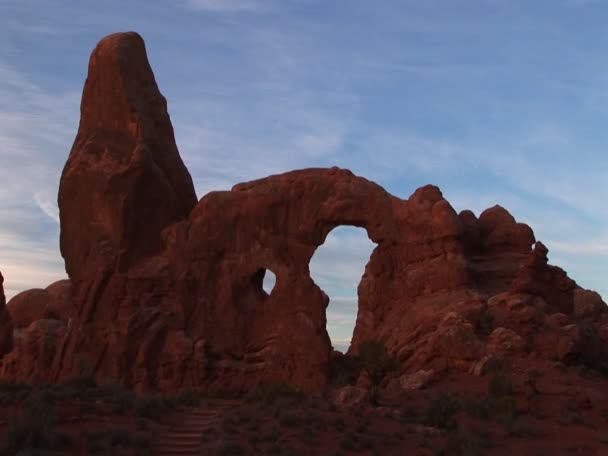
270	280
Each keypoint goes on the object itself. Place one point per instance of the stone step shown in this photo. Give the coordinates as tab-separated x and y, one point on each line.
199	417
192	426
161	447
170	439
183	446
185	435
178	452
198	420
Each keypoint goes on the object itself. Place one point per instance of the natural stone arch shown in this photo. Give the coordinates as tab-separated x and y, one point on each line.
269	281
164	290
336	255
277	223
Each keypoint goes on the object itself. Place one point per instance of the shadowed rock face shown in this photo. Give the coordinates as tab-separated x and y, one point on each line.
124	181
6	327
166	293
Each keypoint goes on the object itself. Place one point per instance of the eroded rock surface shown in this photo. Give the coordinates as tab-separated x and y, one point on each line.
166	293
6	325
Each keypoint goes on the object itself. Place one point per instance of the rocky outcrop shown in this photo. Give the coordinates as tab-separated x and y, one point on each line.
124	181
40	319
6	326
166	293
54	302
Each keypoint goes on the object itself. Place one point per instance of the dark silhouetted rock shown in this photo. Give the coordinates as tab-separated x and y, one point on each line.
6	325
27	307
124	181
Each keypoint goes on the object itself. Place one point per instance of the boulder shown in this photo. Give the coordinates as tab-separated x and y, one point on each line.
588	303
350	396
28	306
54	302
505	341
581	343
416	380
34	351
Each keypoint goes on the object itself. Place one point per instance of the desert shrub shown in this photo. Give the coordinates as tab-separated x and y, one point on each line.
280	450
441	410
375	360
532	380
11	393
505	407
590	351
314	419
485	323
115	393
11	387
496	366
34	429
83	381
108	441
344	370
189	398
500	385
153	407
367	442
289	419
461	442
230	449
339	423
273	450
348	444
229	425
270	394
307	435
522	427
478	407
408	415
501	400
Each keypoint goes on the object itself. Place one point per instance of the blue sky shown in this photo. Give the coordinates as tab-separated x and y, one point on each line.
494	101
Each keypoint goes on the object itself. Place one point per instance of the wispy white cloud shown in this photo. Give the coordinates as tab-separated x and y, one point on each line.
36	129
592	248
229	6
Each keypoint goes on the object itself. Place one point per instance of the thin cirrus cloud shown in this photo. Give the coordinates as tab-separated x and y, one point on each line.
34	133
229	6
496	102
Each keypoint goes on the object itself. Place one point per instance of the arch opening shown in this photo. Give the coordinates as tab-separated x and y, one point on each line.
264	281
337	267
269	282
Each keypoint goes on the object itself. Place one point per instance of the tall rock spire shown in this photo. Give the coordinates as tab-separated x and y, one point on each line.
124	180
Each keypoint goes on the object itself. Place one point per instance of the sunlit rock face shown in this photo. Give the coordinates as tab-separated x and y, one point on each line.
165	292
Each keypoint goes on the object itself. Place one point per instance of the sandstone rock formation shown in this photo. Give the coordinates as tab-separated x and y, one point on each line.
6	326
54	302
124	181
166	293
39	319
